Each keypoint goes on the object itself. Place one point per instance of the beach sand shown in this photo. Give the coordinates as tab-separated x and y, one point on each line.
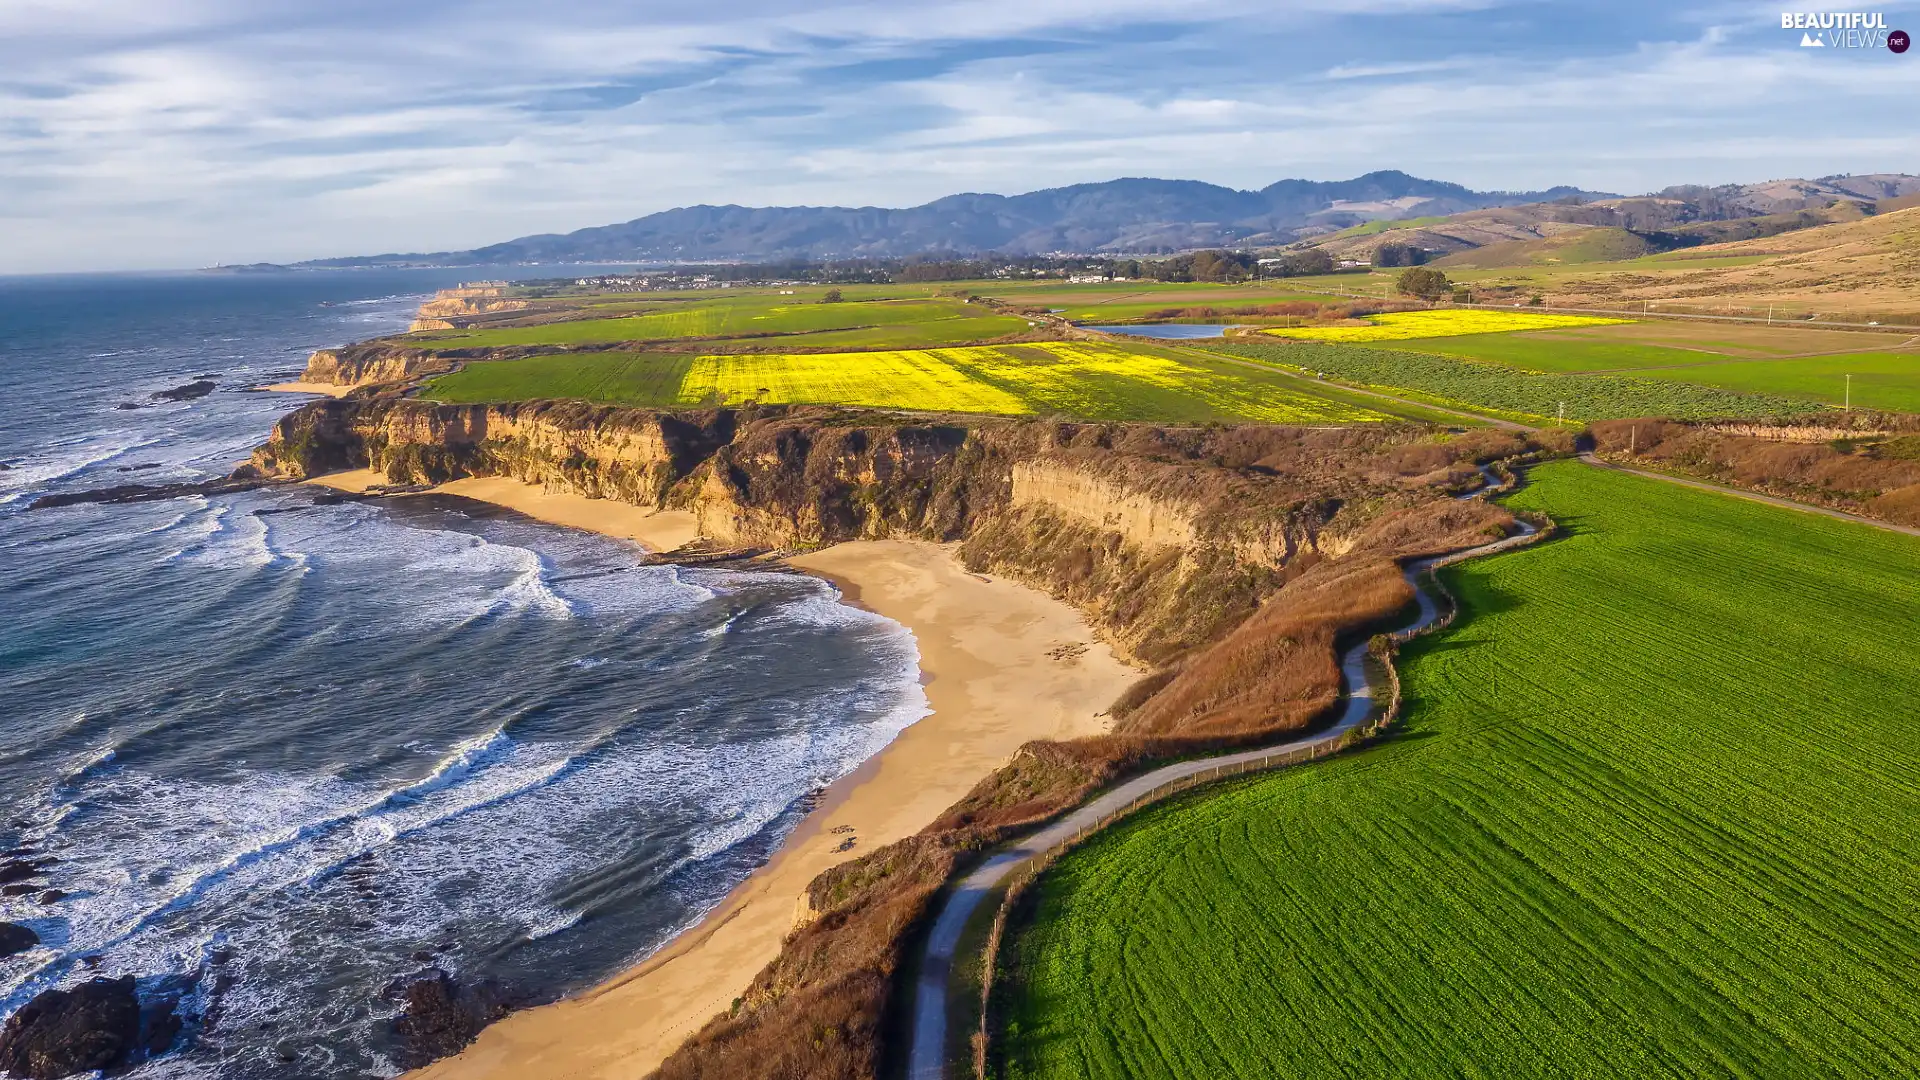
655	530
329	389
996	676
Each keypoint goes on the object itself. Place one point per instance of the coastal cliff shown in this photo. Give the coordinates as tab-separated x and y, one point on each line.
366	365
446	309
1229	560
1165	536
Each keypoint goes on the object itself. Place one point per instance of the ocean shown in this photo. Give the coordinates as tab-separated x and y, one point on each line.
279	754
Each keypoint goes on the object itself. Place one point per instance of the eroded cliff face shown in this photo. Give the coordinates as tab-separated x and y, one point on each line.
1167	537
365	365
446	311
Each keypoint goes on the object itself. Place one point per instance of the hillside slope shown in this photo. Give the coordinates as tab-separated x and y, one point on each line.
1126	215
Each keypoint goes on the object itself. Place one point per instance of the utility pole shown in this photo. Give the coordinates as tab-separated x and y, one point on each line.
1563	412
1849	398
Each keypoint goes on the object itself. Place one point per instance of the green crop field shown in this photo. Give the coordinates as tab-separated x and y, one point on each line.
1551	352
1881	380
1090	380
1649	814
1497	387
882	323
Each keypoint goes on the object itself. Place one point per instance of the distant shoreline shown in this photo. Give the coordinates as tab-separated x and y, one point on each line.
995	677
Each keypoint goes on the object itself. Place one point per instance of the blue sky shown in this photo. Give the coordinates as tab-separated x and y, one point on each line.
183	133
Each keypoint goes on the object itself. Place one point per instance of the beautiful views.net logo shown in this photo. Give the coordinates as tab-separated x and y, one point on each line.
1845	30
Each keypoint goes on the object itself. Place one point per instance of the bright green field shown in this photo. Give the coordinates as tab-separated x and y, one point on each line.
1882	380
1650	814
1503	389
1548	353
1095	381
880	323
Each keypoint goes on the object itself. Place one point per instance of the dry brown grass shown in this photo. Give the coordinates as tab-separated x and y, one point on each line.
1872	474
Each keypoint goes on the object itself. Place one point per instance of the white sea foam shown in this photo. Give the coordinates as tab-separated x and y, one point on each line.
62	458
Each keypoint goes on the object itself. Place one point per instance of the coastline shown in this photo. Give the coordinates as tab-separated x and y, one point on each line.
995	675
298	387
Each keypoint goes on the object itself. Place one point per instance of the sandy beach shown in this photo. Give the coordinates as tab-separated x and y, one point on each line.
988	661
329	389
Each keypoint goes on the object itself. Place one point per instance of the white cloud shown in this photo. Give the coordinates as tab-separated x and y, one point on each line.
210	130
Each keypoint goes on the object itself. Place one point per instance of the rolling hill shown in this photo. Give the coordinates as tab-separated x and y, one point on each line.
1135	215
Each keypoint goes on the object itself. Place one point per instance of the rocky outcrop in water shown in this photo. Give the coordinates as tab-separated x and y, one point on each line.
442	1016
61	1033
199	388
15	938
243	479
21	869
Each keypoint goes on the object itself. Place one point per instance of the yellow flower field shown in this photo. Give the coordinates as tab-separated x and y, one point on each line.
1446	322
1098	381
903	379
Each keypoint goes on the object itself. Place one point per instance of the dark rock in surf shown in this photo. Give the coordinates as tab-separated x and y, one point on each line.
126	493
18	889
64	1032
197	389
53	896
442	1016
15	938
20	870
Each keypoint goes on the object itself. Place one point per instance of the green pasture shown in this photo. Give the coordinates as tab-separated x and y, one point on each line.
853	322
1649	813
1881	380
1477	384
1079	379
1551	352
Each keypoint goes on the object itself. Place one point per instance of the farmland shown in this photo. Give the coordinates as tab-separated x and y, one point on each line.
1648	814
1495	387
883	323
1648	345
1755	360
1090	380
1881	380
1439	323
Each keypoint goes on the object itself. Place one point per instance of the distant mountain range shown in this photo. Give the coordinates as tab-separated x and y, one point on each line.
1138	216
1129	216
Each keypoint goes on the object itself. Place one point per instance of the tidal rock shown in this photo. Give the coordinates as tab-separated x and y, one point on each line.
20	870
53	896
15	938
125	493
442	1016
64	1032
18	889
199	388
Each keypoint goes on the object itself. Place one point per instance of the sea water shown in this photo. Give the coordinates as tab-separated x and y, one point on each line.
284	753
